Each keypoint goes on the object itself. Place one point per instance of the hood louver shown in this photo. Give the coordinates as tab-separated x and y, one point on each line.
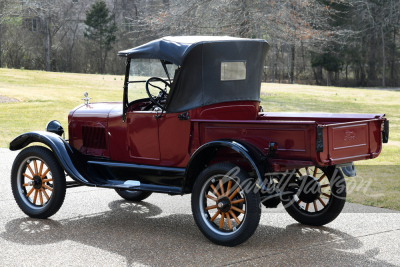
94	137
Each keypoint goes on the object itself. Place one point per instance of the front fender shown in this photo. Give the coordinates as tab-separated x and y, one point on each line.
253	156
61	149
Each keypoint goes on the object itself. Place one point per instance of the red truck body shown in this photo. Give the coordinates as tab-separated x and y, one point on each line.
98	130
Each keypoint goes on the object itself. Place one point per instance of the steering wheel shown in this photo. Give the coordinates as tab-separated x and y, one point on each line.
161	95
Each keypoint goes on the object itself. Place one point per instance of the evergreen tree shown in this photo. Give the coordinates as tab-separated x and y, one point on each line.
101	30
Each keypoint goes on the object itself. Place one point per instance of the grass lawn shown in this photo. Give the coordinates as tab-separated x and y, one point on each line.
45	96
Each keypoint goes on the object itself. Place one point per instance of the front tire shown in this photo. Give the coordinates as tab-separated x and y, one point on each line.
320	198
225	207
133	195
38	182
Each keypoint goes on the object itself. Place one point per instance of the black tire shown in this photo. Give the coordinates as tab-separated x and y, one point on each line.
321	211
47	186
232	232
132	195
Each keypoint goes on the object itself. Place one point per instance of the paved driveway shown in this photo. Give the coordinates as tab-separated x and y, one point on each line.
96	227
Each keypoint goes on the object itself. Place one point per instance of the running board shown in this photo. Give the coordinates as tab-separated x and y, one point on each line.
71	184
136	185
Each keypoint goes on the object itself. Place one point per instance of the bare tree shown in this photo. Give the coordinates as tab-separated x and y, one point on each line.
8	10
357	39
46	15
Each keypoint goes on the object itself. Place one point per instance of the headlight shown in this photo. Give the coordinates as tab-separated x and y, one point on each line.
55	127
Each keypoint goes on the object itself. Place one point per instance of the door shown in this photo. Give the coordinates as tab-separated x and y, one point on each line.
174	136
143	137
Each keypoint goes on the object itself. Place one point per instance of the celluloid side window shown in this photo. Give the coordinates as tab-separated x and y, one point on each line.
233	71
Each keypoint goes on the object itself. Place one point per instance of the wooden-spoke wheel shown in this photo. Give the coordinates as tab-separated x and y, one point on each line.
224	204
317	189
225	212
38	182
320	197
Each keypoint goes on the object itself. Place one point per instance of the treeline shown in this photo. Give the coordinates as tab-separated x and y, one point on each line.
327	42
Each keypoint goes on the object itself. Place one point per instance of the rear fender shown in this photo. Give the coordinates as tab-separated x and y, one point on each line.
61	149
201	158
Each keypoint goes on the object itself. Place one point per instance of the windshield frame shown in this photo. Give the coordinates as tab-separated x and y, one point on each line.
126	101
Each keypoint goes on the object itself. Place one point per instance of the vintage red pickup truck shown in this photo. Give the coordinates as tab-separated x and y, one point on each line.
200	131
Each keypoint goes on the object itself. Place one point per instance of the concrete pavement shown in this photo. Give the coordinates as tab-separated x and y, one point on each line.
96	228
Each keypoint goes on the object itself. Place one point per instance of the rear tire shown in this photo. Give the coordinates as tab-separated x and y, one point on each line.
132	195
38	182
328	203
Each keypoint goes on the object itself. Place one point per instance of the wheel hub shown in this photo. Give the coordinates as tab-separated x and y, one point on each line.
224	204
310	189
37	182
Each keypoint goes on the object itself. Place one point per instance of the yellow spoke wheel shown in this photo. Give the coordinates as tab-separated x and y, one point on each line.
224	208
38	182
320	197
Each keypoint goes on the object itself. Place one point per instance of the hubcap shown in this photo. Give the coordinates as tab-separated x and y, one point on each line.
37	182
314	192
224	204
310	189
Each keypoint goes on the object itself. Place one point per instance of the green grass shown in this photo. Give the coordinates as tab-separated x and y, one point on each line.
45	96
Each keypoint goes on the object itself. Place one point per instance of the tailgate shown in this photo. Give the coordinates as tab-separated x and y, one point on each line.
345	142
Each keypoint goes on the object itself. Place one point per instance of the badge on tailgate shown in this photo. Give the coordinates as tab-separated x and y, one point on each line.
349	135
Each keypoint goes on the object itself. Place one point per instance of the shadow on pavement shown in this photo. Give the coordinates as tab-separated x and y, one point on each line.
140	232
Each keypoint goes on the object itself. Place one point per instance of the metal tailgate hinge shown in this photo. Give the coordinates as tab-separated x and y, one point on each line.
320	140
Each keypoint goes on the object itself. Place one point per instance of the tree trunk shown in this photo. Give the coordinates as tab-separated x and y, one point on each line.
99	67
273	60
1	38
279	76
303	56
328	78
292	65
288	66
372	59
320	74
383	58
104	61
393	56
315	76
47	48
244	24
357	75
70	58
362	75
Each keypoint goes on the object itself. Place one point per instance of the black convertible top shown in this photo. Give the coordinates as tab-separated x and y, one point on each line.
175	48
206	65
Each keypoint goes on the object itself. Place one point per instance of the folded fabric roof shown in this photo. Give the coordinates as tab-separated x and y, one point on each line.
174	48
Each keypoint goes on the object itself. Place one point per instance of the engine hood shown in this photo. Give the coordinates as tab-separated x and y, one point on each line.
94	110
88	128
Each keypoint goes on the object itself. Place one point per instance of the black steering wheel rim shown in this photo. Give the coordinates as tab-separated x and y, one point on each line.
154	99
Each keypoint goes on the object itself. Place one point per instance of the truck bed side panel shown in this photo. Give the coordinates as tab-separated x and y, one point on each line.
293	138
